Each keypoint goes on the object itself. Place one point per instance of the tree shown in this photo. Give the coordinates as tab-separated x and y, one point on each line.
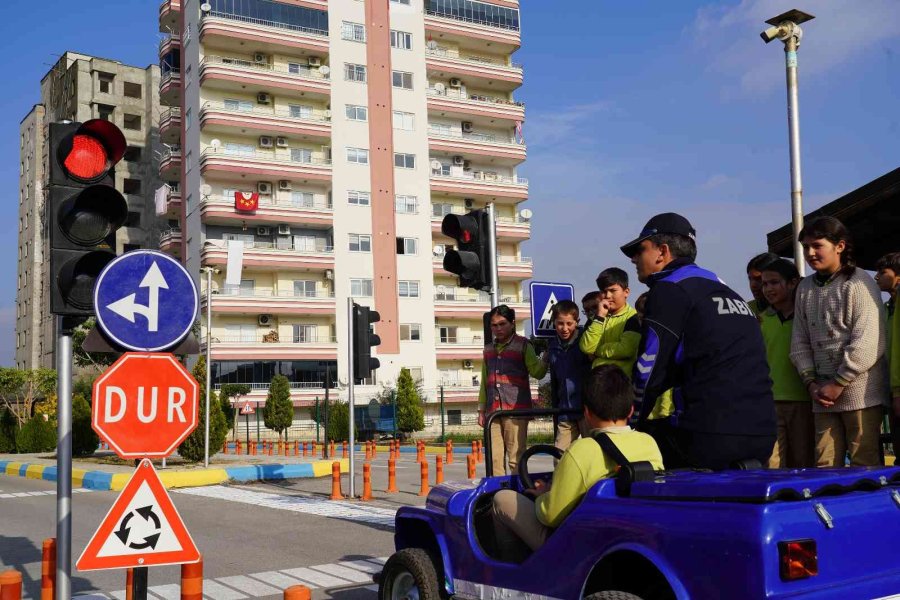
410	414
37	435
192	447
226	393
84	359
84	439
20	389
278	413
8	428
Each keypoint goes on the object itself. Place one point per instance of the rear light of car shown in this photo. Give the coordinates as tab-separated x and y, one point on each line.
798	559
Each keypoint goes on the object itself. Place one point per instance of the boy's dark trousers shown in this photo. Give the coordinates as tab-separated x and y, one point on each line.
681	448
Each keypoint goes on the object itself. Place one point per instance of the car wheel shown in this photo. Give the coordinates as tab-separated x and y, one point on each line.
612	595
409	575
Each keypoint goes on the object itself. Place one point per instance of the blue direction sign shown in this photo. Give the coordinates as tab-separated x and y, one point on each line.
145	301
543	296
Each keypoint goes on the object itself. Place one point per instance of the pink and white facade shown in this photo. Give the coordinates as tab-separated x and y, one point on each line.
359	124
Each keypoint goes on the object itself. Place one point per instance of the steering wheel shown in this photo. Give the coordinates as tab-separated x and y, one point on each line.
524	477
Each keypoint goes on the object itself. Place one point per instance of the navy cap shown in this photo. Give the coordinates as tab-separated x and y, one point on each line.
671	223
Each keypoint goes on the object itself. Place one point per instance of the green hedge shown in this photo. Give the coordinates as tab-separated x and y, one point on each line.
37	435
8	427
84	439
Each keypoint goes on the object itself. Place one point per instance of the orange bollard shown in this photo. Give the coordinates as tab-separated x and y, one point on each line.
332	449
336	481
238	448
374	449
367	482
129	584
423	472
297	592
192	580
438	470
420	452
225	447
392	476
287	448
368	452
344	449
271	448
470	466
251	450
479	457
304	449
10	585
474	448
48	569
449	452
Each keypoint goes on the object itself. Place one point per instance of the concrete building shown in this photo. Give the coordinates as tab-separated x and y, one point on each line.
79	88
358	125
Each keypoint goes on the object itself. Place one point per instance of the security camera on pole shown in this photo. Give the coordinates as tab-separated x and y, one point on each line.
786	27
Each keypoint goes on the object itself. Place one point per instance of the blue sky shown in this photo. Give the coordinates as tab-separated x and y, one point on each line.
633	108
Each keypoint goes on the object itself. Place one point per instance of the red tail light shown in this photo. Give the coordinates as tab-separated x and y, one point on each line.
87	159
798	559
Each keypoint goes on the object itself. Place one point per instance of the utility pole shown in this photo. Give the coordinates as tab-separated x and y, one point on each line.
209	273
492	248
443	433
786	28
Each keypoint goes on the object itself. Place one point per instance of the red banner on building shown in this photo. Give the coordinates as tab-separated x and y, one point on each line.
246	201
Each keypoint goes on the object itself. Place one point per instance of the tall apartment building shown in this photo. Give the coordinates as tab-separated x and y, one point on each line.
359	124
78	88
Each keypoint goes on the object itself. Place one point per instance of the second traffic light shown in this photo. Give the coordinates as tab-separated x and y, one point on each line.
364	339
472	260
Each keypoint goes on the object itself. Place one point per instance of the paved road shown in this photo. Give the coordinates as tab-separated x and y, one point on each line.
256	539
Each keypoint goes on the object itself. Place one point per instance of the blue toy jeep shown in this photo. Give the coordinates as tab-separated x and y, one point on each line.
815	533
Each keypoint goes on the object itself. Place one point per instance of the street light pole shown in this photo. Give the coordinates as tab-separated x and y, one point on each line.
209	273
786	27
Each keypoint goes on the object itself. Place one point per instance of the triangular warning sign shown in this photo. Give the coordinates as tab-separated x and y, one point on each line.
247	409
142	529
546	322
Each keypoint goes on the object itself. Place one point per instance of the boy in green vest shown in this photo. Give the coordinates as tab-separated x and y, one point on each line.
887	277
613	335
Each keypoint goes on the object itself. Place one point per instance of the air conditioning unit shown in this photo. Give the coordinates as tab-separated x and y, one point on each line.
314	61
469	202
467	126
284	185
264	320
265	141
260	57
455	82
263	98
458	160
467	165
263	231
284	229
264	187
467	364
281	142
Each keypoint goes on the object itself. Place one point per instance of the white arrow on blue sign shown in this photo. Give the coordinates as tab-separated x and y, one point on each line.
543	296
145	301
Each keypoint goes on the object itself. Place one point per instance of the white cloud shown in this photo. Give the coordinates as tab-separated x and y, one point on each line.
543	129
716	182
842	31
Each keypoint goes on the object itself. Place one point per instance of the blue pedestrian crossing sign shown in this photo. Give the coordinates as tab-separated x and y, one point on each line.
145	301
543	296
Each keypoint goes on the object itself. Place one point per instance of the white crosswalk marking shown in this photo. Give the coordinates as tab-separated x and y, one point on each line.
361	565
345	572
315	579
249	586
279	580
213	589
166	592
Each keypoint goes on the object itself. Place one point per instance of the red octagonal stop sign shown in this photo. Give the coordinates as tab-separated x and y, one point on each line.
145	404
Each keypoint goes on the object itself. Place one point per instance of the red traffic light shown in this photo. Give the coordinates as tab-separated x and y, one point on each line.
94	148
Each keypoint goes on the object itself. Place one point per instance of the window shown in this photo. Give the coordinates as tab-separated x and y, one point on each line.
358	198
416	374
132	154
302	199
189	161
106	82
238	105
305	243
444	169
132	122
304	334
305	288
300	111
404	120
133	219
188	118
441	209
402	79
361	287
406	2
354	32
407	245
360	242
132	186
233	149
410	332
401	40
105	112
447	335
473	11
355	72
408	289
132	90
301	155
356	113
405	161
240	333
359	156
297	68
454	416
407	205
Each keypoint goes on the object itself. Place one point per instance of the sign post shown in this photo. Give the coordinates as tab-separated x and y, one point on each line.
544	295
247	410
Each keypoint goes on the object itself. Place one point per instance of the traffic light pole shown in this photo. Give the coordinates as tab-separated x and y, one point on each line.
64	459
492	247
350	392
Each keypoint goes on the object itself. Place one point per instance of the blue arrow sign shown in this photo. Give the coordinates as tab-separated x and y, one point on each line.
145	301
543	296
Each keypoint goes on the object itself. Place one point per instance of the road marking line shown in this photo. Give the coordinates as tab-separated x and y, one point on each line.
248	585
91	596
316	578
6	496
380	560
21	494
216	591
170	591
345	572
361	565
277	579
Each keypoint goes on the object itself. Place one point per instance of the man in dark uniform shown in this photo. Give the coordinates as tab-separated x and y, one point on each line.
700	339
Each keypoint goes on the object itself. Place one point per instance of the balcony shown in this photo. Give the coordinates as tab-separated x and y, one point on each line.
169	43
170	88
235	32
171	209
170	125
513	229
505	150
234	300
445	25
170	241
451	102
316	214
237	74
170	164
302	124
478	183
466	306
169	16
271	164
266	346
508	267
477	71
450	348
272	256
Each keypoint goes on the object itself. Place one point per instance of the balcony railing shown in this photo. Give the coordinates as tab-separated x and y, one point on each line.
482	176
265	23
473	298
267	201
266	156
173	112
471	59
472	136
457	94
294	385
173	37
458	341
234	291
461	210
286	245
243	63
449	15
319	115
173	152
241	338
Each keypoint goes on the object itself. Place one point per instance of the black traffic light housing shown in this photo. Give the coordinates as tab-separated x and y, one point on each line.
364	338
471	261
84	210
